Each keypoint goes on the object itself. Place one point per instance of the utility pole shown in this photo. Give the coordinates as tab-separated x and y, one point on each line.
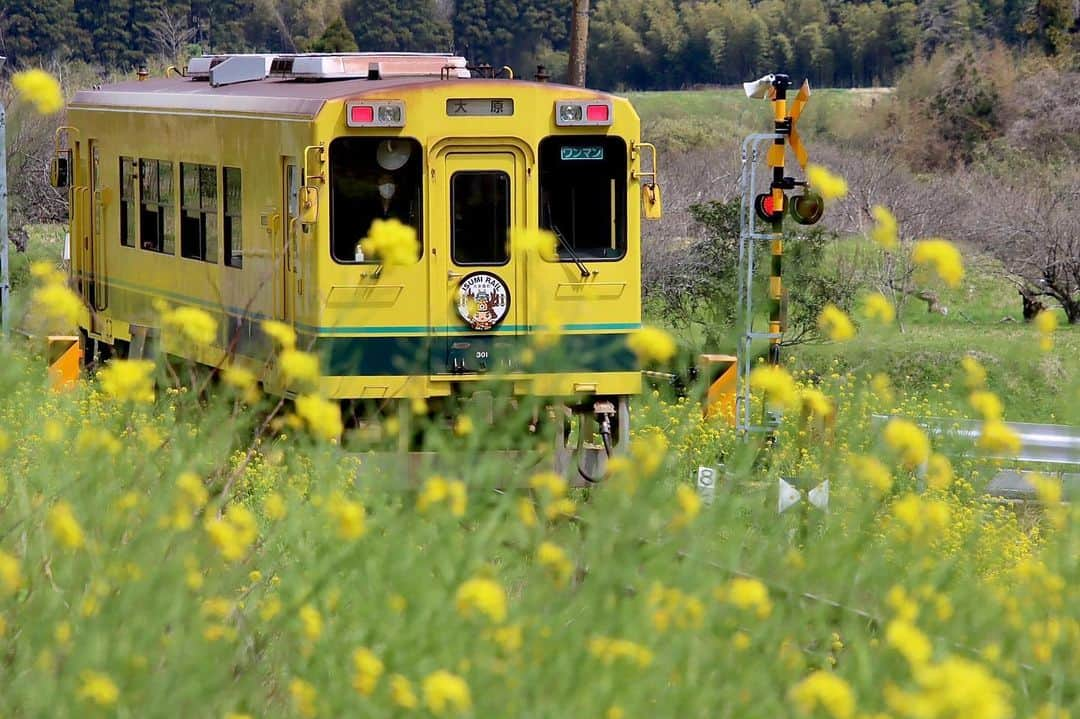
5	284
579	43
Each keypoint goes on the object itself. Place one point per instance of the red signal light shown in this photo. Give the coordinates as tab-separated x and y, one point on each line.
766	208
362	115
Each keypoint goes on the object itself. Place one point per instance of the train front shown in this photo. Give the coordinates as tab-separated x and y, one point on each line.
526	198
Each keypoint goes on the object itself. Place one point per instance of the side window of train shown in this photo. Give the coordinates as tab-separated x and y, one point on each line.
372	178
198	212
583	195
157	231
129	218
233	223
480	202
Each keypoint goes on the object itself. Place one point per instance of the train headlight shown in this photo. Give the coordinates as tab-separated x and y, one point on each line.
390	114
577	114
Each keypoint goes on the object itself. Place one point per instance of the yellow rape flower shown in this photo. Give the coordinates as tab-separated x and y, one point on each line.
64	527
481	595
873	472
987	404
953	689
609	650
56	302
921	517
830	186
437	490
554	560
996	437
40	89
877	307
128	380
526	512
298	366
974	372
98	688
908	440
350	516
192	323
549	482
463	426
311	622
274	507
689	506
321	416
367	669
391	242
11	578
943	257
234	533
652	344
939	472
835	323
1046	322
282	334
444	692
530	239
304	696
905	637
885	231
401	692
776	383
746	593
816	402
826	691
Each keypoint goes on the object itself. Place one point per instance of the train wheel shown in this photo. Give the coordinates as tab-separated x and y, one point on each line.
587	436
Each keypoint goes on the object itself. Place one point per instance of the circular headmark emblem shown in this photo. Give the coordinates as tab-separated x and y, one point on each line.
483	300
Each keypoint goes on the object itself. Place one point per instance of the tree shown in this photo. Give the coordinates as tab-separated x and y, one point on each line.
336	38
36	29
397	25
472	38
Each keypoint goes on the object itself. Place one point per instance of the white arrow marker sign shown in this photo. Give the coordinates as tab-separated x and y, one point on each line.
788	496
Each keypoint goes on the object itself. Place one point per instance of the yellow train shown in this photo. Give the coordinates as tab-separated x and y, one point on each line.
243	187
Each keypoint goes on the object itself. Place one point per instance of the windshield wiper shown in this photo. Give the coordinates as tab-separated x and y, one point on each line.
585	272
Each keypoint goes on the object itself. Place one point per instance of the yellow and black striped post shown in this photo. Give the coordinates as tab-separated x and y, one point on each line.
782	124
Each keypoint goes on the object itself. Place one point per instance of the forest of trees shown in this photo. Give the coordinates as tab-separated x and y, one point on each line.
634	44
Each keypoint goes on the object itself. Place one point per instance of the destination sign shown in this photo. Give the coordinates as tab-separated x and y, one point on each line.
588	152
474	107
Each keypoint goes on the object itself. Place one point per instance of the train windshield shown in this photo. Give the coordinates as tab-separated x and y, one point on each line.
583	195
371	178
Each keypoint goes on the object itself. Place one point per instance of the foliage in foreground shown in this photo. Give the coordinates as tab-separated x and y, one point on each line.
152	562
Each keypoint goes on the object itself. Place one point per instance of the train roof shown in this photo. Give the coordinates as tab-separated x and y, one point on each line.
287	96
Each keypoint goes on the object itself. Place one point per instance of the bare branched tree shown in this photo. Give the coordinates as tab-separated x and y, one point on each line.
172	34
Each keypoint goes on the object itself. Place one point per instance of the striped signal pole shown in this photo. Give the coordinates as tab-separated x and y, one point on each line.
782	126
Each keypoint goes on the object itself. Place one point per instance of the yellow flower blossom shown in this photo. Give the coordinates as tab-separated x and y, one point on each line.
905	637
746	593
304	696
689	506
128	380
974	372
445	692
40	89
350	517
234	533
1046	322
815	402
939	472
529	239
321	416
954	689
835	323
401	692
11	578
244	380
548	333
56	302
64	527
877	307
509	638
987	404
554	560
391	242
652	344
274	507
885	231
943	257
920	517
1049	491
550	483
484	596
367	669
526	512
908	440
283	335
437	490
776	383
998	438
192	323
872	471
826	691
98	688
609	650
830	186
463	426
298	367
311	623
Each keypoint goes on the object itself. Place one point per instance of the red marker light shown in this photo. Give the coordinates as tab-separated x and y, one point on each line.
597	113
362	115
767	205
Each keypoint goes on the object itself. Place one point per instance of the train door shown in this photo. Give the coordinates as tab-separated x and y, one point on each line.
80	225
475	300
95	215
286	250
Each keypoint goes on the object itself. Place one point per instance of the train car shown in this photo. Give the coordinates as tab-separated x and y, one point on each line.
243	186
